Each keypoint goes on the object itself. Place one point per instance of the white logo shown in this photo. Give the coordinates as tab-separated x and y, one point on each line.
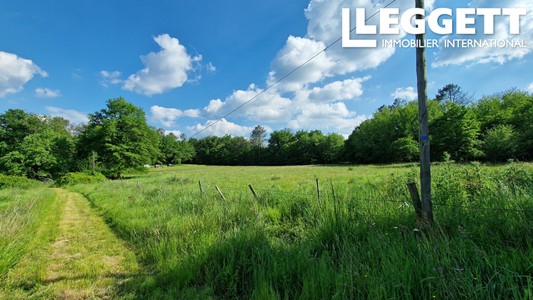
390	23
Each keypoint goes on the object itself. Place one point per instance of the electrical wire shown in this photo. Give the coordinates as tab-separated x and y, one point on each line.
286	75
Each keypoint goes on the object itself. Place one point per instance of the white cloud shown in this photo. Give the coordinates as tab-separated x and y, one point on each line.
73	116
339	90
47	93
176	133
164	70
407	93
478	55
15	72
267	106
167	116
221	128
320	107
297	51
108	78
325	26
327	116
530	88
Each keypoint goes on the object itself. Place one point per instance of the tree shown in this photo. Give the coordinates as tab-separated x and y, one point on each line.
174	151
456	132
500	143
454	93
258	135
405	149
120	136
34	146
278	146
16	124
257	140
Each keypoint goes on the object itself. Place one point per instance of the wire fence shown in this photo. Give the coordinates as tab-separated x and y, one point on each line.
372	193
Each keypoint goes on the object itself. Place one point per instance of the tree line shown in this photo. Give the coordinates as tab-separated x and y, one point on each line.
117	139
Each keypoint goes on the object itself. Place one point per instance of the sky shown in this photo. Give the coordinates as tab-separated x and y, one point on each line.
189	63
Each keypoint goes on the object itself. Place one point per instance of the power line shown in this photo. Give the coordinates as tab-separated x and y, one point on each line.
286	75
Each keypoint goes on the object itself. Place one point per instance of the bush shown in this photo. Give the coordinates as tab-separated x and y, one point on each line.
79	178
16	182
501	143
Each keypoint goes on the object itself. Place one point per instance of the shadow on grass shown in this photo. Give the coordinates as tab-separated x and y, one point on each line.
357	258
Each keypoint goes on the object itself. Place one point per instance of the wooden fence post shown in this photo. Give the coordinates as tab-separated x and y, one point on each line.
253	191
318	191
415	197
200	184
220	192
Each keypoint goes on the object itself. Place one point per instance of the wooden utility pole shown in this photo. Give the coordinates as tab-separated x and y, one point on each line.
425	165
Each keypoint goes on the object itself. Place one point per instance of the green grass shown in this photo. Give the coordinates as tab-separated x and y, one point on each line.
360	240
72	254
23	214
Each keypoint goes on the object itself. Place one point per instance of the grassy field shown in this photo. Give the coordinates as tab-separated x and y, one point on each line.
54	246
359	240
27	219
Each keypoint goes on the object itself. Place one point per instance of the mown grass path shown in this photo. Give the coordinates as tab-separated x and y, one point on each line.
85	261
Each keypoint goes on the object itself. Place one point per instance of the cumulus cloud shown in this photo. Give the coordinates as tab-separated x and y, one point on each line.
407	93
324	28
479	55
168	116
220	128
74	116
339	90
297	51
164	70
327	116
267	106
47	93
15	72
320	107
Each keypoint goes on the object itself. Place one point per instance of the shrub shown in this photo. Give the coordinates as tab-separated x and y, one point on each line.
79	178
16	182
501	143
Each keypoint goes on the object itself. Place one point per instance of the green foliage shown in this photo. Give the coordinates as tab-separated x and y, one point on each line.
174	151
373	140
405	149
120	136
456	131
509	115
453	93
500	143
257	136
17	182
13	164
80	178
34	146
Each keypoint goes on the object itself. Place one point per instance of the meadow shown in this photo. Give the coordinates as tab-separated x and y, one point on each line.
359	239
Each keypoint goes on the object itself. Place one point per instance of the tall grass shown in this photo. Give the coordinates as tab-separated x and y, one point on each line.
360	240
23	211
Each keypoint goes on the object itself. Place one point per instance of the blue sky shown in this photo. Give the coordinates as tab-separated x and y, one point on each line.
187	63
